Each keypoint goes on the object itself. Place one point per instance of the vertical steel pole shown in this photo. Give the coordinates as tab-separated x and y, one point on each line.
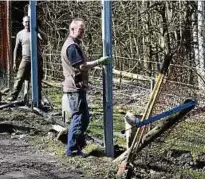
9	56
34	59
107	78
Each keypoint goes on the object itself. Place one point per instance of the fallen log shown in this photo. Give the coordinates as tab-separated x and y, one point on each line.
63	132
62	127
12	104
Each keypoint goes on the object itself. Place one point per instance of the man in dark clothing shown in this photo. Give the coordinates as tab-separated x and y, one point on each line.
75	71
24	70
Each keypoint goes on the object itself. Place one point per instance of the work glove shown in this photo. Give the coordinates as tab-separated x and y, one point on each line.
104	60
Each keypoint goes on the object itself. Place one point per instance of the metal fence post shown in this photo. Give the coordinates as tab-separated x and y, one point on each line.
34	59
107	78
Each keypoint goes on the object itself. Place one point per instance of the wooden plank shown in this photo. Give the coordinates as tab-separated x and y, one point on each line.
12	104
129	75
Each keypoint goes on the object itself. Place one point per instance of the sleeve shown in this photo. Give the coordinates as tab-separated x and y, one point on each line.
18	41
74	55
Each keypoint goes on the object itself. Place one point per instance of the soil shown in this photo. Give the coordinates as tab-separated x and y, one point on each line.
18	158
28	150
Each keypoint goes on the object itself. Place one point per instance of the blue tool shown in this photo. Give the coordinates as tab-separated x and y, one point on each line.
186	105
179	108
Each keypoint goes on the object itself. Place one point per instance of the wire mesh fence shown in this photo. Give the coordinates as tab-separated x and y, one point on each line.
143	33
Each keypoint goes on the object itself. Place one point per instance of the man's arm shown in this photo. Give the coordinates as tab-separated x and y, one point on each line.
101	61
15	51
88	65
77	59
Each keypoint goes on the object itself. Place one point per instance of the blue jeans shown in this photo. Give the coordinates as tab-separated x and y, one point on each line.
79	120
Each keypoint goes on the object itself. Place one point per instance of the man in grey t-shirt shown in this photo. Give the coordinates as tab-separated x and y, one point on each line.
24	70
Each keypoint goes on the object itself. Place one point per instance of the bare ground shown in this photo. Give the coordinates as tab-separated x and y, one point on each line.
19	159
28	152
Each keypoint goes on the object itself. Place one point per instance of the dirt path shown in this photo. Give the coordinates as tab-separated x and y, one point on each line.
28	150
18	160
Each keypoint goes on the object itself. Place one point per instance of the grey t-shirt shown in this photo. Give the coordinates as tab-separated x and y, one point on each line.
23	38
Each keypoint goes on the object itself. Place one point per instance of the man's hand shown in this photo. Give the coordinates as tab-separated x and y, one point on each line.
14	67
104	60
90	64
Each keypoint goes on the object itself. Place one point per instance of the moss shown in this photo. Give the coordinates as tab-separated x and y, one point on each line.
193	174
191	138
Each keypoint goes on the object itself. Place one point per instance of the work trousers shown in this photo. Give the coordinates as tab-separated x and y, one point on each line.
23	74
78	107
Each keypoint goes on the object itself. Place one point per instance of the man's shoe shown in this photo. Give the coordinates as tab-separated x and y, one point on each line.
82	144
82	154
77	153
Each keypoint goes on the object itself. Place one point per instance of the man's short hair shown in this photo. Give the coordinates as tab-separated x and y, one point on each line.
73	23
26	17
